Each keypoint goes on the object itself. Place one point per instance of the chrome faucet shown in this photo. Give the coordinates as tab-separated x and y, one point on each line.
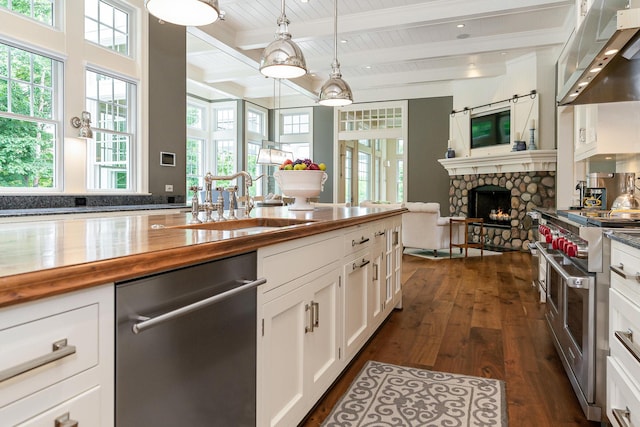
248	182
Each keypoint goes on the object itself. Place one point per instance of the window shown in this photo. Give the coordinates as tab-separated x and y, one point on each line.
254	122
300	150
29	129
39	10
225	119
256	133
364	176
297	123
195	117
106	25
195	169
109	100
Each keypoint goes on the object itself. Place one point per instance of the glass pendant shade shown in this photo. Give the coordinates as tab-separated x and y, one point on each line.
282	58
185	12
335	92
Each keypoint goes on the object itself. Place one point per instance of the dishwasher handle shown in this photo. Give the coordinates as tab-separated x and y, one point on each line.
155	321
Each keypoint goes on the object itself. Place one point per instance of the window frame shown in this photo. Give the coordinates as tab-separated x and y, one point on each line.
131	28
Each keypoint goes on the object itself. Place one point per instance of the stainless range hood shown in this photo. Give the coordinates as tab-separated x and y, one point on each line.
598	62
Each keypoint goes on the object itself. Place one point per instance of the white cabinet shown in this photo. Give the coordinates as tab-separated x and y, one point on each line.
299	310
57	358
623	363
324	298
609	128
358	288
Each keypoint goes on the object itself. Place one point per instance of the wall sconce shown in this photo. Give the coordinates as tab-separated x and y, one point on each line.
84	124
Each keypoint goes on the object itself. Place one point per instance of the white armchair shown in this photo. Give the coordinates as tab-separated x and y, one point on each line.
424	228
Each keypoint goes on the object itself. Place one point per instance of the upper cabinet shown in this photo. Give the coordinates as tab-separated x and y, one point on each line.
601	129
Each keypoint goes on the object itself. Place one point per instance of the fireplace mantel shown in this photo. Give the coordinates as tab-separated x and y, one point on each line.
515	161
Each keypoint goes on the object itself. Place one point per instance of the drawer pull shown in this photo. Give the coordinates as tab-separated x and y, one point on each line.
379	233
619	270
362	264
626	338
60	350
65	421
623	416
362	241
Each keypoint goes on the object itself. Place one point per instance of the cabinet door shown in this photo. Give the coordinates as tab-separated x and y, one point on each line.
283	359
322	340
376	292
83	409
356	279
396	241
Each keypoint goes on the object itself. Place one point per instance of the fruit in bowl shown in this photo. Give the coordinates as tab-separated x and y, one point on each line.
301	179
302	164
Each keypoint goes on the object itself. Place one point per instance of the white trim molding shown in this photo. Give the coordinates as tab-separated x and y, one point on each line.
515	161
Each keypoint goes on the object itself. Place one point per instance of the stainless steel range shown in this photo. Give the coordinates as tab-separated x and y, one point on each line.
577	298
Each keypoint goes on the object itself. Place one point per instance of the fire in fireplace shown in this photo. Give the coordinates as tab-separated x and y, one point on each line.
491	203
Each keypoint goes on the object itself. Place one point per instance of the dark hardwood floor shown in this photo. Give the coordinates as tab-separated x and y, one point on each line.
474	316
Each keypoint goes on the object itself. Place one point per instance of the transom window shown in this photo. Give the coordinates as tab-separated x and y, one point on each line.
225	119
254	121
29	129
106	25
110	102
295	123
38	10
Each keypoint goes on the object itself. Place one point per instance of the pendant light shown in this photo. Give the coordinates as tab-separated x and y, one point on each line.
185	12
335	92
282	58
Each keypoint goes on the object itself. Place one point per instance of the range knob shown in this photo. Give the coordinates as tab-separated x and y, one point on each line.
572	250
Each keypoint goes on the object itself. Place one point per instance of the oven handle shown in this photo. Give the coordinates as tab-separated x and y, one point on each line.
619	270
626	338
155	321
578	282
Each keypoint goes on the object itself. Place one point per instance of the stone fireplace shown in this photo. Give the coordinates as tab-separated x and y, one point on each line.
512	183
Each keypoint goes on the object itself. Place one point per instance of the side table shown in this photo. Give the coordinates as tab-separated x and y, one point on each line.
466	245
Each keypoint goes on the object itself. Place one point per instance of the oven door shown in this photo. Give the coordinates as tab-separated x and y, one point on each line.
570	309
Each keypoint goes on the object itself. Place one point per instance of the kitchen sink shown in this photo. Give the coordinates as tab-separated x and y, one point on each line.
249	224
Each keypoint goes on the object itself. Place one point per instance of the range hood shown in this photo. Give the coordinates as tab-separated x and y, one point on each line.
599	62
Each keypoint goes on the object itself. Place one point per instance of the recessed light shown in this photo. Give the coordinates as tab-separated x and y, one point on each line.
611	52
368	67
573	95
344	41
595	70
582	84
460	25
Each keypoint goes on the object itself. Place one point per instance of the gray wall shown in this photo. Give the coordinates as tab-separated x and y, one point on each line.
428	181
167	106
323	146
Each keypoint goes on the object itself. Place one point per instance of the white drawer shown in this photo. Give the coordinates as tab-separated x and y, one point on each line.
626	259
84	409
624	318
621	396
357	238
27	341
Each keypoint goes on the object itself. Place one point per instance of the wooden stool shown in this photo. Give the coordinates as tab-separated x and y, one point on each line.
466	245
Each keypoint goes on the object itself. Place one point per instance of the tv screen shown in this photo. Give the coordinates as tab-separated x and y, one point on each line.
491	129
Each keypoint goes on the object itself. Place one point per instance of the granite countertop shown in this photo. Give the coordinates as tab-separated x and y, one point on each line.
627	236
41	258
88	209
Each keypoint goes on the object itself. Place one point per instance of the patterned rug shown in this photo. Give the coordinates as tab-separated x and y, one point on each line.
388	395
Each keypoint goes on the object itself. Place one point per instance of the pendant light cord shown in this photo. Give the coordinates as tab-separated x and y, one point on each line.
335	31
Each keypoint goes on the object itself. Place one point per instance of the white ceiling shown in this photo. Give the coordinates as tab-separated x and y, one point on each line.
395	49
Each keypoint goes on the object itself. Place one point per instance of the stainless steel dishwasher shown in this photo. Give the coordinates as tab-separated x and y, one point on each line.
186	346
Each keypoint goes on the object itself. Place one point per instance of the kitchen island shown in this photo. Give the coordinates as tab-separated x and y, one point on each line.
330	277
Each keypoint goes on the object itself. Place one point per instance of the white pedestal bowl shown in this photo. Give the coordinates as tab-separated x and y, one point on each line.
301	184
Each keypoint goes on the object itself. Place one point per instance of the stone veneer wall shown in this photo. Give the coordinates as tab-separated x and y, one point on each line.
528	190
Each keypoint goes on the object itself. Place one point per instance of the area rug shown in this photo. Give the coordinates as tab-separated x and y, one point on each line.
390	395
444	254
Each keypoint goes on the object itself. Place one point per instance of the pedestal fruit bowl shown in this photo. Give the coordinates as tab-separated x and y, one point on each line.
301	184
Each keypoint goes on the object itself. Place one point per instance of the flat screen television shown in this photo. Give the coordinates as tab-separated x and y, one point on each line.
492	128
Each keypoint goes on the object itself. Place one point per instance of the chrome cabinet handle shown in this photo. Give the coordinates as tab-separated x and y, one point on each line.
308	308
362	264
60	350
375	272
622	416
155	321
379	233
396	239
626	338
363	240
65	420
619	270
316	313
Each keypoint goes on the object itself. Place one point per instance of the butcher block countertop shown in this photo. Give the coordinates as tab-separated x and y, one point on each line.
44	258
